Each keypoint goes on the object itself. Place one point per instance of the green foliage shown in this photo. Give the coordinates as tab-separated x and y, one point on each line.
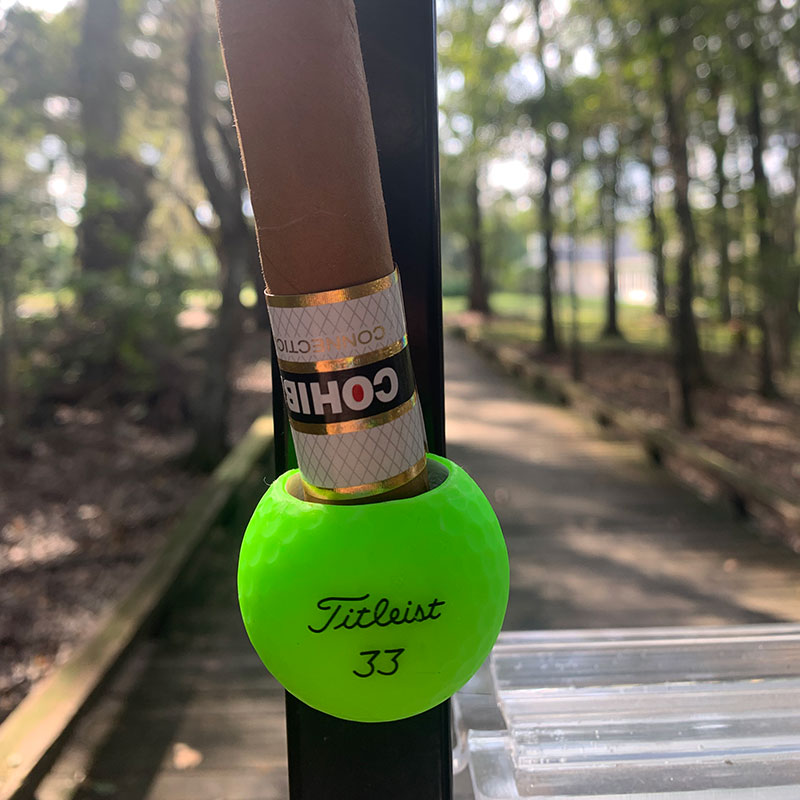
128	350
476	114
586	81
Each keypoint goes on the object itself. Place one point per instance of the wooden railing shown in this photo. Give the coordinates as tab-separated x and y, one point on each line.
31	735
745	489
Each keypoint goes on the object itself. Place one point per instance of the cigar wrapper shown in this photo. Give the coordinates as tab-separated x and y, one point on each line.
305	129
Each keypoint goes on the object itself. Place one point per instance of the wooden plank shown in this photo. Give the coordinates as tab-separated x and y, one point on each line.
269	783
38	724
152	744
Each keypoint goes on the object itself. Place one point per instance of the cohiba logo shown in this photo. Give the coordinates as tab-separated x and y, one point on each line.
346	613
357	393
330	344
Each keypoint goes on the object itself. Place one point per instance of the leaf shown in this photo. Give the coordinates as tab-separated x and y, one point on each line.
185	757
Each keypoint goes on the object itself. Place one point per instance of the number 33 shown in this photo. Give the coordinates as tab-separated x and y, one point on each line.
373	654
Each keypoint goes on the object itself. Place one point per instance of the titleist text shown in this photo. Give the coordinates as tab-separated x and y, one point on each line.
360	613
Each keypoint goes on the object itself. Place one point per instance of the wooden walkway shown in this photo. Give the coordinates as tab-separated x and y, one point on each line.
597	537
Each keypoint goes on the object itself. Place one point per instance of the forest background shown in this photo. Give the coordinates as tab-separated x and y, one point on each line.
620	197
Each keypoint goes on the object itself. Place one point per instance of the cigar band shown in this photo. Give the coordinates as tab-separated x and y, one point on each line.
349	388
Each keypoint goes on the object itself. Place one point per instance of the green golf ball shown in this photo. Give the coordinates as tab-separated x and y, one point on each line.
375	612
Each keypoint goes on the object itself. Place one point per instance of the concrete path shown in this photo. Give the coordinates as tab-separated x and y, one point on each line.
597	537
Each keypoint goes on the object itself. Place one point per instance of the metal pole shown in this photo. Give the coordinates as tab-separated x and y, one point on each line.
329	758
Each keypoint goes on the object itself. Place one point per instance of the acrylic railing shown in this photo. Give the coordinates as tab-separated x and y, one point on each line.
659	713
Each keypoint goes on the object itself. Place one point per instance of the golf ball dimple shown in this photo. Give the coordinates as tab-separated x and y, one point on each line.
374	612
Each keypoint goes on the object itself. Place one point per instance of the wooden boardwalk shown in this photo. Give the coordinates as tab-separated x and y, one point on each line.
597	537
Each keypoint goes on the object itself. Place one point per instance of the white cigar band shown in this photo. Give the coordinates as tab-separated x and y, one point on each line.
349	388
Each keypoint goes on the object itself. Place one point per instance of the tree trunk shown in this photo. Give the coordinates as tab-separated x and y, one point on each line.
576	367
689	364
549	334
9	402
609	203
211	413
657	244
721	224
234	244
723	238
793	295
787	323
767	255
687	327
253	271
478	286
117	202
740	312
787	313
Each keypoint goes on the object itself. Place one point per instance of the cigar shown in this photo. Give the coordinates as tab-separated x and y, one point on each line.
305	130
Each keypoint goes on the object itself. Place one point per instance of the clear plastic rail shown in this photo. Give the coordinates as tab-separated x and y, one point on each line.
662	714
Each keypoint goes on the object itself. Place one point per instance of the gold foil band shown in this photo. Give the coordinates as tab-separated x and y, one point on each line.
333	296
366	489
348	362
354	425
342	327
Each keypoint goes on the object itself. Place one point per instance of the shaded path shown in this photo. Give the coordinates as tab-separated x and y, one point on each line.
597	537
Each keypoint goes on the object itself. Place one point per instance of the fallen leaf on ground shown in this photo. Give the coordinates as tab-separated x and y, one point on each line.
185	757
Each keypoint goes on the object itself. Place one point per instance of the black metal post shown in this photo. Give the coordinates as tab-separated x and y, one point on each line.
329	758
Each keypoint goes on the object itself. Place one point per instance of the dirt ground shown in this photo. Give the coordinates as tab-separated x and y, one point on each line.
732	418
762	435
81	507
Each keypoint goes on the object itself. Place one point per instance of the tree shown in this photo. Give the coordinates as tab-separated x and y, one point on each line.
544	112
719	139
9	348
219	167
758	37
573	234
117	201
29	72
657	41
474	67
674	86
607	128
766	242
617	111
656	236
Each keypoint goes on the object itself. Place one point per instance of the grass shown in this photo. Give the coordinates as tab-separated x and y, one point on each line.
46	303
519	315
